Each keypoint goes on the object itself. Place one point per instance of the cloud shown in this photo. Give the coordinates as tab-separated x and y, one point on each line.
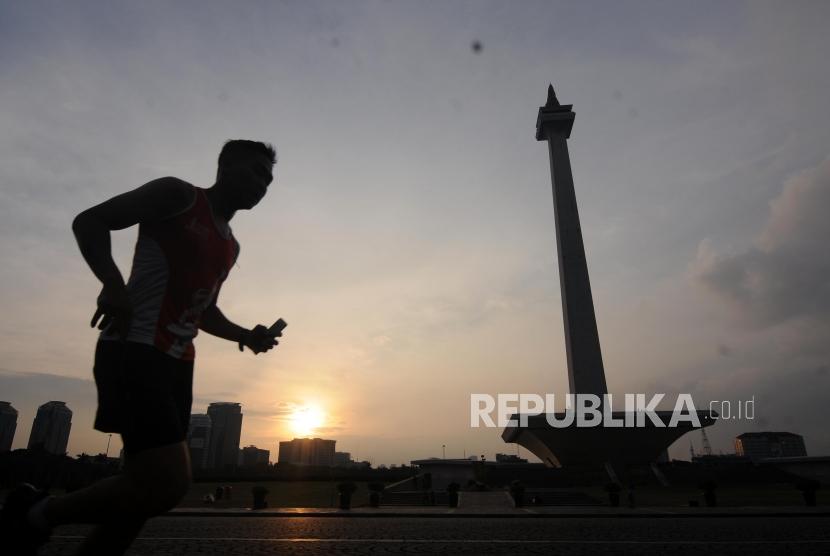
28	391
282	411
779	290
793	400
45	386
724	350
333	429
406	259
785	274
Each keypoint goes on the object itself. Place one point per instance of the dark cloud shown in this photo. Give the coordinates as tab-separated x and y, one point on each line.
724	350
780	290
786	274
801	409
28	391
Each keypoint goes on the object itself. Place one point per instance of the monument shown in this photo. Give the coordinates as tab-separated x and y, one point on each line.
572	445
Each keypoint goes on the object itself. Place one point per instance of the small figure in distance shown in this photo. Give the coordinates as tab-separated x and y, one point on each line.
144	356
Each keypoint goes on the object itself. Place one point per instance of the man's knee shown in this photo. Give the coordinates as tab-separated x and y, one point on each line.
161	477
168	493
160	492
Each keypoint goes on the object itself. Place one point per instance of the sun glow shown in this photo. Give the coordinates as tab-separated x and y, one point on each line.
306	419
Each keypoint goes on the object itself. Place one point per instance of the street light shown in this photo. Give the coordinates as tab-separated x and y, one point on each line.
444	451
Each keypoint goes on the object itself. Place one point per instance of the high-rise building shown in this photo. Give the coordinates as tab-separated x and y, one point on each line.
759	445
307	451
50	430
251	457
342	459
198	440
225	430
8	424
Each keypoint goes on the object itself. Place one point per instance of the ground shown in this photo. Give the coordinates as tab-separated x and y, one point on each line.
283	494
184	536
322	494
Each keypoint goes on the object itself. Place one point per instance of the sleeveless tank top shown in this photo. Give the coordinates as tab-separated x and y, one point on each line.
179	266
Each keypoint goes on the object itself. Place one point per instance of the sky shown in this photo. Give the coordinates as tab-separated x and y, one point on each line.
408	238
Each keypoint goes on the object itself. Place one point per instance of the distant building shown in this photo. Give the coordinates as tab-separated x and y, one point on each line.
251	457
342	459
8	424
307	451
50	430
509	458
760	445
225	430
198	440
721	460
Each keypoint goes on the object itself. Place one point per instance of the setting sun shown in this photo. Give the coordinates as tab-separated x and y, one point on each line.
306	419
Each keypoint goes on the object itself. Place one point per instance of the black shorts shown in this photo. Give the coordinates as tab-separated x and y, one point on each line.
143	394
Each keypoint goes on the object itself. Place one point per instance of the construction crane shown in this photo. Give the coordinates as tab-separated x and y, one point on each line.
707	448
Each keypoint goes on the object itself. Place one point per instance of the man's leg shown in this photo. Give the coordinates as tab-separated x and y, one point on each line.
154	481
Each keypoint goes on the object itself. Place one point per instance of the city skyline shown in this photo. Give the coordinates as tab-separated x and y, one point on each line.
201	451
199	423
408	238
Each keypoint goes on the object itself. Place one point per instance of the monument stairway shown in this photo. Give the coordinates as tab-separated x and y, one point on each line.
496	501
559	497
414	498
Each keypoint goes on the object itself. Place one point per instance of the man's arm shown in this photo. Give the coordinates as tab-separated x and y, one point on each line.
155	200
214	322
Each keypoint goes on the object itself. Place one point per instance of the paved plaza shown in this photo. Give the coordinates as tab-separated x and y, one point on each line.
641	535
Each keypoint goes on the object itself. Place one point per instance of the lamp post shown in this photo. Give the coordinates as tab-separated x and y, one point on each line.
444	451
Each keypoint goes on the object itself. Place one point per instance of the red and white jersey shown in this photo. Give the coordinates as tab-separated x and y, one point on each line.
178	267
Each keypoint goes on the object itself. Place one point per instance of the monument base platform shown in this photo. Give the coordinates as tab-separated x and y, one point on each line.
617	446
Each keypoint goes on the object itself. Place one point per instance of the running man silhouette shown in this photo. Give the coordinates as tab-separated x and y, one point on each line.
144	356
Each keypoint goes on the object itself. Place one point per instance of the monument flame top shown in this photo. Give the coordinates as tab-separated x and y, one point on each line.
559	116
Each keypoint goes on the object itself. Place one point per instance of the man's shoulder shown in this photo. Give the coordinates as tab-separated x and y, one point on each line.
172	185
173	193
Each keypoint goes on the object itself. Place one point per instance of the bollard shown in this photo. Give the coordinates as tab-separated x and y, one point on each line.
259	493
344	494
452	494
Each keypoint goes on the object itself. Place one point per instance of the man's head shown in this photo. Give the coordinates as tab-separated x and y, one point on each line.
244	171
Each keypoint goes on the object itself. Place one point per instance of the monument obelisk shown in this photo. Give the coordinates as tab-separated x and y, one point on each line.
572	444
586	374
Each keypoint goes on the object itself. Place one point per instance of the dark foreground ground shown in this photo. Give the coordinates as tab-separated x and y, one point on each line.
185	536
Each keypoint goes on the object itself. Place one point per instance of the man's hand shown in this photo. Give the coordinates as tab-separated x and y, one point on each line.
114	310
258	340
